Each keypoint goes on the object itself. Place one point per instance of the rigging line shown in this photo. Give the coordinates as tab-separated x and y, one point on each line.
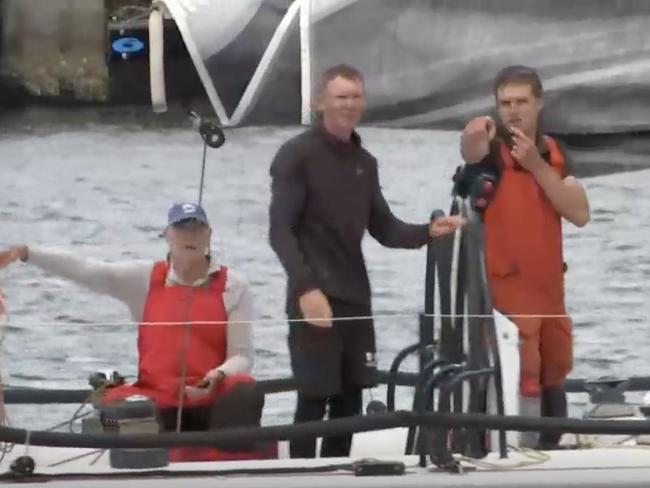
183	358
201	182
77	413
283	320
77	457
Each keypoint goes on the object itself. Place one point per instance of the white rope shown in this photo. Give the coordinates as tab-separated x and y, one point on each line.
533	458
28	438
283	320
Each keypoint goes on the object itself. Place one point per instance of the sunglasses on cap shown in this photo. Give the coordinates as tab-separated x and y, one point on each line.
190	223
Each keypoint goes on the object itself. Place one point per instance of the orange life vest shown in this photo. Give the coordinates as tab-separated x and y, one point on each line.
167	351
523	235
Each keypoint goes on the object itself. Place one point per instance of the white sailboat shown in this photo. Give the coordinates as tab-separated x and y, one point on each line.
394	448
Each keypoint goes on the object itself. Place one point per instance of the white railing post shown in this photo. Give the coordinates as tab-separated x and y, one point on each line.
156	60
305	62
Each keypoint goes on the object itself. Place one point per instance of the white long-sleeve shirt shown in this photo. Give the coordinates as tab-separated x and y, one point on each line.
128	281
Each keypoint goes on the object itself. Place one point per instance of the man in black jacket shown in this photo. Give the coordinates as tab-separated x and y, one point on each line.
325	194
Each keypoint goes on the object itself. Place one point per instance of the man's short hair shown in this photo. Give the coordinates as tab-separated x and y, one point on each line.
343	70
520	75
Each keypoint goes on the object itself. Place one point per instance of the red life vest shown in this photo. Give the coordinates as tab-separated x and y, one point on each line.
168	352
523	236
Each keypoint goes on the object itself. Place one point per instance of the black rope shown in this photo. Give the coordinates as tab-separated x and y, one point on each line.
235	437
394	370
169	473
43	396
201	182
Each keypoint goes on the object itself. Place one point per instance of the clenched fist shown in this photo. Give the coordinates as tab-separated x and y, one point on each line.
476	137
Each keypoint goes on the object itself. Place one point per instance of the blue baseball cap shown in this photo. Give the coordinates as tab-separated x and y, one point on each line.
186	211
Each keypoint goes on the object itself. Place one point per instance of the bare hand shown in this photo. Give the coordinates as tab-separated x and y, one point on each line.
196	393
445	225
205	386
316	308
525	151
476	137
14	253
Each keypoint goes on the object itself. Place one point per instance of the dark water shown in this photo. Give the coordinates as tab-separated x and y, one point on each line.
103	191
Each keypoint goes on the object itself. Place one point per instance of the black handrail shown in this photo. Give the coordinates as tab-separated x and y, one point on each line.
438	446
394	368
436	380
41	396
426	322
445	388
427	440
233	437
418	398
480	304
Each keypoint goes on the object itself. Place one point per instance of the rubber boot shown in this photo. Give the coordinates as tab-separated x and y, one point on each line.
529	406
554	404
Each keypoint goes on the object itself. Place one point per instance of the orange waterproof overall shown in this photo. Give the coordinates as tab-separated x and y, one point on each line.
523	234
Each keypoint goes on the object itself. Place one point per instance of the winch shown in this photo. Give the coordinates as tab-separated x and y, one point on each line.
135	414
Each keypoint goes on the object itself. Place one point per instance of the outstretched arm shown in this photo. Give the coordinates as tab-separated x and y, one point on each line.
475	139
126	281
393	232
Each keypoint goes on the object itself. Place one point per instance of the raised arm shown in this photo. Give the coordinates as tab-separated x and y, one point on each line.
566	193
126	281
475	139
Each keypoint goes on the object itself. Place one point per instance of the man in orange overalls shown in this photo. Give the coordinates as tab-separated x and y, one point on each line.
523	234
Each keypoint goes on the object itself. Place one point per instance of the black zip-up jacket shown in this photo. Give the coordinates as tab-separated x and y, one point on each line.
325	193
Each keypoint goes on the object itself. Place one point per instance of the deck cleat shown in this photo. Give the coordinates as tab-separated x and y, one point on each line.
23	466
375	407
607	390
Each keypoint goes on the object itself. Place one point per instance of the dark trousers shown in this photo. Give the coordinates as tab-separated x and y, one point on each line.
240	406
347	404
331	367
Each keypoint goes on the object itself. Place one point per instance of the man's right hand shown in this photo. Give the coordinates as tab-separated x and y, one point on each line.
316	308
14	253
476	137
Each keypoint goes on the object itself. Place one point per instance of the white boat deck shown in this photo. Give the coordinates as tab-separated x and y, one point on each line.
623	466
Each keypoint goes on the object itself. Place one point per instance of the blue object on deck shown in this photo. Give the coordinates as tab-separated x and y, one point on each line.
128	45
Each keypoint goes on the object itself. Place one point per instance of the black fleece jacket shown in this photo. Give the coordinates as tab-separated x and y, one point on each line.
325	193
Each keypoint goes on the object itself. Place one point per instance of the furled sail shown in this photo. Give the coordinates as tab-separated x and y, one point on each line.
427	63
